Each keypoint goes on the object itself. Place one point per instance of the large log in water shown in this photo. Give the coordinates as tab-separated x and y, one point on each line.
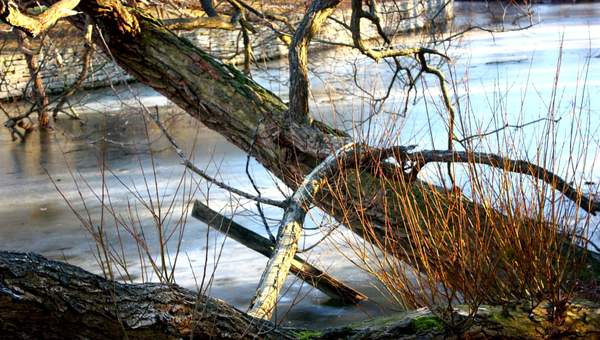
43	299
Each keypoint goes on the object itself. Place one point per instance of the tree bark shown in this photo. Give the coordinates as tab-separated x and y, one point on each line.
44	299
314	18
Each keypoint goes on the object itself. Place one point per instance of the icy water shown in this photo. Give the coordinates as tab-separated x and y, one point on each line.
35	217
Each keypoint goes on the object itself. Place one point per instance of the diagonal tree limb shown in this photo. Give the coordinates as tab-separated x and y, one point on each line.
279	264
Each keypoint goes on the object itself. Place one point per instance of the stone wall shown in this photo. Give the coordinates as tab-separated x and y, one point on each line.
61	56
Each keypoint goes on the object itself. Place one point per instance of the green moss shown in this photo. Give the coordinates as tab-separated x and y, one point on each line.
36	10
426	323
308	334
381	321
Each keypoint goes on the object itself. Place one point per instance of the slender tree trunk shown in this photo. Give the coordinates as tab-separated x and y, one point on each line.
38	90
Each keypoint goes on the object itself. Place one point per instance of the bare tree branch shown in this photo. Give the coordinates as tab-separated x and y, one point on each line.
86	64
188	164
420	158
38	90
189	24
34	25
377	54
209	8
315	16
277	269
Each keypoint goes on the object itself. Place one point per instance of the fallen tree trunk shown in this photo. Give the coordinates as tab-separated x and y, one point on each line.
299	267
226	101
44	299
248	115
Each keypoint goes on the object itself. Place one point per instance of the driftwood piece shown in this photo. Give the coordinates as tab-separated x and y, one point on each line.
44	299
302	269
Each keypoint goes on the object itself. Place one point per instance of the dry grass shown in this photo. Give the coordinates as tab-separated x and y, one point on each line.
492	237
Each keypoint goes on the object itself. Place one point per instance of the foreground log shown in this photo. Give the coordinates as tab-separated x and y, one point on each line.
299	267
43	299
